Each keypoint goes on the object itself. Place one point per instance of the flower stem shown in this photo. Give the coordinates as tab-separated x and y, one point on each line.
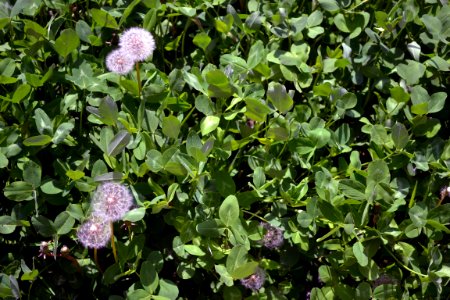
138	78
141	109
96	260
113	244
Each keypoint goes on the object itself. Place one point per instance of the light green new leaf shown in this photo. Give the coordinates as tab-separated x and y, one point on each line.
38	140
209	124
358	251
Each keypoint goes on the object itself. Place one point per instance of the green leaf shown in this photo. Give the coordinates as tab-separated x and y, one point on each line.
277	94
38	140
202	40
219	85
400	135
67	42
329	5
168	289
149	277
32	173
62	132
75	174
319	137
103	18
154	160
236	258
209	228
194	250
224	25
134	215
43	122
209	124
64	223
399	94
315	19
358	251
119	142
108	111
225	277
352	189
411	72
444	271
244	270
43	226
418	214
414	49
326	274
3	161
256	109
140	294
19	191
237	63
229	211
224	183
256	54
30	276
20	93
171	126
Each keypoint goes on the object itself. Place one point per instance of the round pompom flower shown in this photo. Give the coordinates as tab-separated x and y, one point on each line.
254	281
119	61
138	43
111	201
273	238
94	233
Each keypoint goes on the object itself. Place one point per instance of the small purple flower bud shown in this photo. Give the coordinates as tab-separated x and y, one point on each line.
119	61
254	281
138	43
94	233
273	238
111	201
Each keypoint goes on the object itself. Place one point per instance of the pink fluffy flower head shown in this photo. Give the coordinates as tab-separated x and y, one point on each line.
94	233
273	238
138	43
111	201
254	281
119	61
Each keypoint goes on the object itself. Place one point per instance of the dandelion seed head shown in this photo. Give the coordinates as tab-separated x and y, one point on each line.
138	43
94	233
111	201
118	61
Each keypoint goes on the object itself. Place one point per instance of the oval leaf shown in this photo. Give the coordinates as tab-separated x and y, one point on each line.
119	142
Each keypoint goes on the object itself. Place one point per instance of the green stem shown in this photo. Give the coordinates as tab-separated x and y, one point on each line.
138	77
96	260
113	244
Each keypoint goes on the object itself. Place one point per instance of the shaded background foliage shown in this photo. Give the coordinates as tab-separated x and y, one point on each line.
327	118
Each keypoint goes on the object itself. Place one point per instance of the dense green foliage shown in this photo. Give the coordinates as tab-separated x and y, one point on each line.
327	119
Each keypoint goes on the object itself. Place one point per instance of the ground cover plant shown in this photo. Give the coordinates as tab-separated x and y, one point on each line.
219	149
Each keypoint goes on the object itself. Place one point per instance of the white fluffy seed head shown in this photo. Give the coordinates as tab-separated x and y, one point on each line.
111	201
120	62
138	43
